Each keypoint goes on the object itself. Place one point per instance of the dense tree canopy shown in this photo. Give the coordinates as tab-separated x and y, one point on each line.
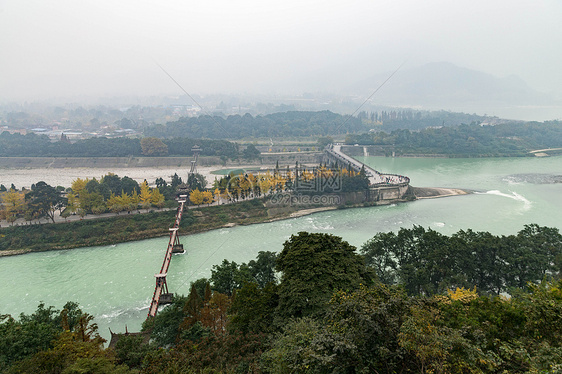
50	340
509	139
33	145
313	267
284	124
426	262
346	323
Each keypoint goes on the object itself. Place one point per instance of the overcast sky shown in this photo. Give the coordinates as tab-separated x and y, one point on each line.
106	47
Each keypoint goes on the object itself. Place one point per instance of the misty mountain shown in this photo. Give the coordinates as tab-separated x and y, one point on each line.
447	86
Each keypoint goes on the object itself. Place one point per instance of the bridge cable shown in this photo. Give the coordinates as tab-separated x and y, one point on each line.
191	97
203	263
371	95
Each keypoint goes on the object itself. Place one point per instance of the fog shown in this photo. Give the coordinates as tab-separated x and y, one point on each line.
66	48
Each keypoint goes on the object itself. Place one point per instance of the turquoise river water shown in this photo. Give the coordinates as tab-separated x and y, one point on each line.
115	283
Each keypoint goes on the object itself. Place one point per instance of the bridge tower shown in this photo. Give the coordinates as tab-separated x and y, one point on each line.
196	151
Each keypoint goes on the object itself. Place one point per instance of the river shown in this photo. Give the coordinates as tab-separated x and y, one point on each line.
115	283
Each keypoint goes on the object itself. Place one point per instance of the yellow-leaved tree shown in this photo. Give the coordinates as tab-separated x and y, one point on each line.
72	204
207	197
127	201
145	196
79	185
80	194
13	205
134	200
157	198
114	204
463	295
196	197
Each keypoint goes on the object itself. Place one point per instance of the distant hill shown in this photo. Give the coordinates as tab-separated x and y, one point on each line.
447	86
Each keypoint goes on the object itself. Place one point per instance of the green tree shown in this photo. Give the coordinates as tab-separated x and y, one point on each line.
79	351
251	152
34	339
131	350
313	267
90	202
253	308
324	141
427	262
201	285
129	185
165	326
153	147
436	348
535	253
196	181
263	268
94	186
43	200
364	326
480	257
192	308
176	180
29	335
542	306
160	182
294	351
228	276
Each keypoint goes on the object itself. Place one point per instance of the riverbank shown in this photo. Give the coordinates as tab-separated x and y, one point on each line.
125	228
18	240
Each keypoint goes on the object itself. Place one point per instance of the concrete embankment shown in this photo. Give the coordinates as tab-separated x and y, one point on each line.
288	158
101	162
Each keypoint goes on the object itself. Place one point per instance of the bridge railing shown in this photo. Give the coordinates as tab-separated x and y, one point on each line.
393	179
376	178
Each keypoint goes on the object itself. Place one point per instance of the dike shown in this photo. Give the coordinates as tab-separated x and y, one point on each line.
17	240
